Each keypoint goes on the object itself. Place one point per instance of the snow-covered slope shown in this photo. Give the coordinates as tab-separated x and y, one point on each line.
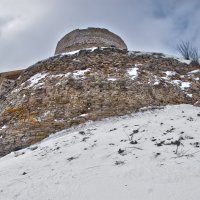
129	157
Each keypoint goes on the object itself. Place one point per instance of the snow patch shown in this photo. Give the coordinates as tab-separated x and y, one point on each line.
83	115
157	55
60	75
156	83
58	120
140	53
112	79
138	65
133	72
76	60
77	51
132	155
3	127
46	113
189	95
34	80
185	85
170	73
15	91
194	72
182	60
182	85
80	73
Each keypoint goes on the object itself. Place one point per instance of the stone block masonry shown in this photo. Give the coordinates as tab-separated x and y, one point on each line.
86	38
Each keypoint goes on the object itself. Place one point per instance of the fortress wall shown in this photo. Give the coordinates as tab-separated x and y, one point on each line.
80	39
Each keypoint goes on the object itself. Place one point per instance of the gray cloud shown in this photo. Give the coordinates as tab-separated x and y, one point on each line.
29	30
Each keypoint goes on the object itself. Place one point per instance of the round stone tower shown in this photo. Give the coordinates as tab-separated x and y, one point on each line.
86	38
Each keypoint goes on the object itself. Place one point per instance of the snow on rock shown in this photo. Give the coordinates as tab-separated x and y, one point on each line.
181	84
84	115
138	65
182	60
189	95
15	91
76	60
147	155
77	51
35	79
58	120
111	79
76	74
80	73
60	75
141	53
194	72
157	55
170	73
3	127
133	72
156	82
185	85
70	53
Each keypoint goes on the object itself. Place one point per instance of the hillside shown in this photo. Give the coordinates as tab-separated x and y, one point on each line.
127	157
90	84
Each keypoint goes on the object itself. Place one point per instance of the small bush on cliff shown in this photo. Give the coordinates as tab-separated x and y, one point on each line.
188	51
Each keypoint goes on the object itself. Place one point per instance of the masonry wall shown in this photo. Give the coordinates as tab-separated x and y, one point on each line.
91	37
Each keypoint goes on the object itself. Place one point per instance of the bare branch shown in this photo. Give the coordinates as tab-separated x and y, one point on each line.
188	51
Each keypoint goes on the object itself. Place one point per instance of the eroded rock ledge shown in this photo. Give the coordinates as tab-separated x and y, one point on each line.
69	89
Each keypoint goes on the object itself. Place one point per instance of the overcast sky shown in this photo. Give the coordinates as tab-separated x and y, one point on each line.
30	29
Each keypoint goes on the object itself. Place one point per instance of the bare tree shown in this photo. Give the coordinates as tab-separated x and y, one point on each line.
188	51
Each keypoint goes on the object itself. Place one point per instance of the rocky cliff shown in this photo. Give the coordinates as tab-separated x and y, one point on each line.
71	88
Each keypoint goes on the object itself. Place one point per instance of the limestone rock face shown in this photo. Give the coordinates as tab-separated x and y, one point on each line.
7	81
66	90
86	38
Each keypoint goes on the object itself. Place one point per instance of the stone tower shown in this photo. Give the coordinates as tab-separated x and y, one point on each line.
86	38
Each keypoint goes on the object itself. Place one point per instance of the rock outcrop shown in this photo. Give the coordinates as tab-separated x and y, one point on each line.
7	82
12	75
66	90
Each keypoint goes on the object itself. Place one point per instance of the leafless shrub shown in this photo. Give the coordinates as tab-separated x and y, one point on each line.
194	54
188	51
184	49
